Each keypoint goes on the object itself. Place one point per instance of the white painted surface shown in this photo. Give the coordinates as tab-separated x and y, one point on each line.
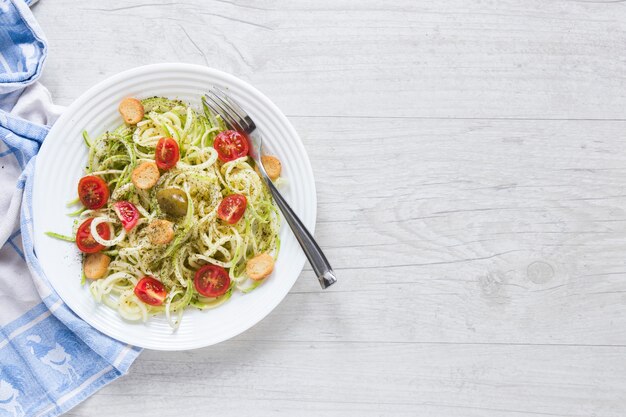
470	159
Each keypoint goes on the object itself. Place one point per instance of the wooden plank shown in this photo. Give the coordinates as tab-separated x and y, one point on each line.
408	58
369	379
464	231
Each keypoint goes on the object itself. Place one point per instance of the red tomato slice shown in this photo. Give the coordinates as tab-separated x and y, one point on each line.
232	208
93	192
84	239
150	291
167	153
127	213
230	145
211	281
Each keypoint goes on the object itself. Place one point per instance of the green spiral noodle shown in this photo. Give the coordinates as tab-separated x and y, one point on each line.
200	238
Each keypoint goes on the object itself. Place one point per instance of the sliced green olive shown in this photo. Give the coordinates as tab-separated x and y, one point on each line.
172	201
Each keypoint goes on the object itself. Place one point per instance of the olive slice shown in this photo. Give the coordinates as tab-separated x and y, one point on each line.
172	201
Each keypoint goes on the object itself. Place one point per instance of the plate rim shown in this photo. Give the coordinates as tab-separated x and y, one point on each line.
84	98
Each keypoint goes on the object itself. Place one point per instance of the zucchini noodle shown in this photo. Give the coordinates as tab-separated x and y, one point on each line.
199	236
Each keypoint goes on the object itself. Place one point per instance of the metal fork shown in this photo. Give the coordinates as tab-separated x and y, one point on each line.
238	119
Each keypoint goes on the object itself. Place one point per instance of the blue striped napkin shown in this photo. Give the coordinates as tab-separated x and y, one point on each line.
50	360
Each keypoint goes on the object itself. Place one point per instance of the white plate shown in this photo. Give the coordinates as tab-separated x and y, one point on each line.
61	162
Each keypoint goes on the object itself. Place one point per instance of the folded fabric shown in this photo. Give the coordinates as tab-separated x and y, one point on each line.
22	47
50	359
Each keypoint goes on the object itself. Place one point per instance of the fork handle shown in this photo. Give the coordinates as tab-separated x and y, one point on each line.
314	254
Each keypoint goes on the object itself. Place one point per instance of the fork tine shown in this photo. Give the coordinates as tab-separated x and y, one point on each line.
217	108
211	106
235	107
225	109
208	107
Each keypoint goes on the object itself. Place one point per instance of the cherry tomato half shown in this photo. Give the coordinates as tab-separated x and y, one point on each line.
127	213
93	192
230	145
232	208
150	291
85	241
211	281
167	153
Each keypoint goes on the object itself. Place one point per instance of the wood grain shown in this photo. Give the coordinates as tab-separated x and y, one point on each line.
370	379
462	58
470	159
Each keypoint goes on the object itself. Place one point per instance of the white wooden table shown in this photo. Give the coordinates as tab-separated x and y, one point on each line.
470	159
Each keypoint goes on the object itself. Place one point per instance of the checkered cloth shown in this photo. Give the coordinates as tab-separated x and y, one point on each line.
50	360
